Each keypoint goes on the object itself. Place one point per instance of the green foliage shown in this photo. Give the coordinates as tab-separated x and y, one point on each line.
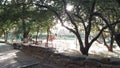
16	12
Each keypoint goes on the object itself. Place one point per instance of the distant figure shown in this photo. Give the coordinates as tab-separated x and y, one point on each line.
30	39
51	38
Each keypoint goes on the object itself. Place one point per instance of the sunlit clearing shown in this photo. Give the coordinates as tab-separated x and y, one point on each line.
69	7
7	56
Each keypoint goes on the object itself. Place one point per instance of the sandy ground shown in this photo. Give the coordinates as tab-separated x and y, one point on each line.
71	45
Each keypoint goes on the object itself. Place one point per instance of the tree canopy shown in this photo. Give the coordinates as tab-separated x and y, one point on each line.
85	15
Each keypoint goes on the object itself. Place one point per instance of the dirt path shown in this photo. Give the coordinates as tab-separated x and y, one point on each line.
10	58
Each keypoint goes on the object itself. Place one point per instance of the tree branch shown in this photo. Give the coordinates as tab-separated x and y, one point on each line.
51	9
109	26
76	27
78	16
87	33
102	31
70	18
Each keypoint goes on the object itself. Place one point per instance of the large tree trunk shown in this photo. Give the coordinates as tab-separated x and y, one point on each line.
37	35
25	31
25	36
85	50
6	36
48	31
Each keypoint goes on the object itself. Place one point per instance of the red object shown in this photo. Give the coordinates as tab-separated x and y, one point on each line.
51	38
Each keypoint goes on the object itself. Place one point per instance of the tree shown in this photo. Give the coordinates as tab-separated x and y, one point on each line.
42	21
110	15
24	16
5	16
85	12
